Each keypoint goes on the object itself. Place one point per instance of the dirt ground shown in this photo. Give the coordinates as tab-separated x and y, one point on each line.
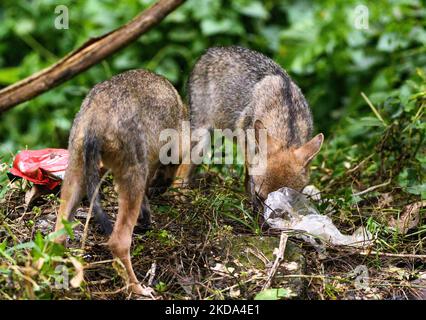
209	246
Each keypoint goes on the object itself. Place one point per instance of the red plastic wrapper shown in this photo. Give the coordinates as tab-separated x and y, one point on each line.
43	167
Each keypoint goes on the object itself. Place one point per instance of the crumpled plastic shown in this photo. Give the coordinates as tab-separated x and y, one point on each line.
42	167
288	209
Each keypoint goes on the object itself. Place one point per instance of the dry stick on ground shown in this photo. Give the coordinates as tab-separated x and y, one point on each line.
151	273
393	255
384	184
90	53
370	253
277	262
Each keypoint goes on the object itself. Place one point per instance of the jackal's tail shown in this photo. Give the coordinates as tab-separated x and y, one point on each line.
92	159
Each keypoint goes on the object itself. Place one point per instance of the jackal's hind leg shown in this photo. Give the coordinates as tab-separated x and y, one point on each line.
72	191
131	192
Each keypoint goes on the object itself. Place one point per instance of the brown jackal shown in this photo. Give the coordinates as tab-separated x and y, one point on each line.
237	88
119	125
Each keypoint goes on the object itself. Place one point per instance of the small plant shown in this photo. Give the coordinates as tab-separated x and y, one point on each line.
38	268
161	287
162	236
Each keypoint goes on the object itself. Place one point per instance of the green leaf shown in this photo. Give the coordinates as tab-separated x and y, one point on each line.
370	122
24	26
274	294
253	9
211	27
25	245
389	42
9	75
418	189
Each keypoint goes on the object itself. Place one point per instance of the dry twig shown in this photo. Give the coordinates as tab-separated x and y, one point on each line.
277	262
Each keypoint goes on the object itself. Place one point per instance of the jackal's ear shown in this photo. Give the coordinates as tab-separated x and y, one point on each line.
310	149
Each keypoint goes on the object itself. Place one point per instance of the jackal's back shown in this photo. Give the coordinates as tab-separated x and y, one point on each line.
134	106
231	86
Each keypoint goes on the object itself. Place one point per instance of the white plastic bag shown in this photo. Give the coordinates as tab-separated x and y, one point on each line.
288	209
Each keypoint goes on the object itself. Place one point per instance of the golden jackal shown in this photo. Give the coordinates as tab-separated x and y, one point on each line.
237	88
119	125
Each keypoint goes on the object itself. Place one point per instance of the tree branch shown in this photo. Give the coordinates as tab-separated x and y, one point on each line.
84	57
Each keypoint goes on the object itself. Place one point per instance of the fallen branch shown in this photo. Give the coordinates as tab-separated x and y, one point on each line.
393	255
277	262
90	53
369	253
372	188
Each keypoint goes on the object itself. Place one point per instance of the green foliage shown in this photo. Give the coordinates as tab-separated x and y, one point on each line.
34	269
161	287
163	236
366	87
316	42
390	145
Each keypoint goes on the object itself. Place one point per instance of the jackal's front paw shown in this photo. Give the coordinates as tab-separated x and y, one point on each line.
142	291
181	197
180	194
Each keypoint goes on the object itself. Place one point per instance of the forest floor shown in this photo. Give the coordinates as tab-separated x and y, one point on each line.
207	247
